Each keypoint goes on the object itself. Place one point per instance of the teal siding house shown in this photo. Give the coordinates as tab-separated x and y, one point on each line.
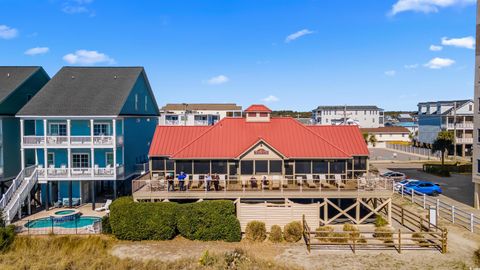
17	86
87	131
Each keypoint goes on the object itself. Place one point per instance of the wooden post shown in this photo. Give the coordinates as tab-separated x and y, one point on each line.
402	218
400	241
444	241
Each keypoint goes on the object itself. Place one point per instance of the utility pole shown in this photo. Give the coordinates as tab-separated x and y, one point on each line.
454	131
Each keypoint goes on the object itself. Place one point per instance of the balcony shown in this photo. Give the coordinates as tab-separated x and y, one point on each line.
96	173
201	123
172	122
64	141
464	140
466	125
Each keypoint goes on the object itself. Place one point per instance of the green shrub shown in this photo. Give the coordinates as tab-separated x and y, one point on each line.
142	221
256	231
324	232
380	221
419	238
339	237
7	235
106	228
209	221
276	235
206	259
293	231
352	231
384	234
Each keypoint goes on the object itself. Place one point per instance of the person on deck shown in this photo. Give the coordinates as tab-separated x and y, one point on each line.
208	181
170	182
181	181
216	181
253	182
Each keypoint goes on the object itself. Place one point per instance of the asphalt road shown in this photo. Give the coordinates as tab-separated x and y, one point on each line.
385	154
458	187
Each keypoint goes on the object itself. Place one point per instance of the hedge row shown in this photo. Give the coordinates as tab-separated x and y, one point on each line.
206	221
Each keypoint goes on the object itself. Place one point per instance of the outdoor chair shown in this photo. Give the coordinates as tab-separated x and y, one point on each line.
276	181
195	181
338	181
104	207
310	182
299	180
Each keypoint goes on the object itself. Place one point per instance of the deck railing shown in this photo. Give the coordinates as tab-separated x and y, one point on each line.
251	185
72	173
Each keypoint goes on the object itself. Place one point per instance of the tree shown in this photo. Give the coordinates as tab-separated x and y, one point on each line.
365	137
442	143
372	140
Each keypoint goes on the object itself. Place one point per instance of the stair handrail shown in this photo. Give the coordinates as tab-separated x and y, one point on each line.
8	195
12	209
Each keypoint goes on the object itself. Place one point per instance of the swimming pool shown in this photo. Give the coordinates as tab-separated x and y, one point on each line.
79	222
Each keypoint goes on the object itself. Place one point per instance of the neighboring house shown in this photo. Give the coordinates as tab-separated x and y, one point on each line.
86	131
411	126
17	86
476	129
384	135
363	116
197	114
405	117
455	116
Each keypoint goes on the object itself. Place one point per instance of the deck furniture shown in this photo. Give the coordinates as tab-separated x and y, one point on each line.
310	182
338	181
104	207
276	181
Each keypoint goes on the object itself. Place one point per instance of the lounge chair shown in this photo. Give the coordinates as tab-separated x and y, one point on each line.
195	181
324	182
338	181
276	181
222	181
299	180
104	207
310	182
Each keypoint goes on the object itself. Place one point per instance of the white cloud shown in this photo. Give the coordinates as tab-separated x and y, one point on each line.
435	48
84	57
37	51
426	6
411	66
465	42
438	63
390	73
220	79
270	99
77	6
298	34
7	32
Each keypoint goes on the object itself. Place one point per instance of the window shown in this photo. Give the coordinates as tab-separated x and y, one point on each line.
337	167
158	164
263	114
246	167
109	158
233	168
275	166
81	160
136	102
169	165
58	129
320	167
220	167
201	167
50	159
146	100
360	163
302	167
101	129
470	107
261	166
252	114
184	166
288	168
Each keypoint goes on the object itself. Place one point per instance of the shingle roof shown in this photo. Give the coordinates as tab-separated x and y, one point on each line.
202	106
84	91
351	107
231	137
12	77
258	108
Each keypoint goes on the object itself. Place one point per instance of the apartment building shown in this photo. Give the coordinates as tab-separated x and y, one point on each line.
198	114
363	116
86	130
453	115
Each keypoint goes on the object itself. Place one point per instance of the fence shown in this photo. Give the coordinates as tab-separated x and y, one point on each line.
46	226
385	239
415	150
447	211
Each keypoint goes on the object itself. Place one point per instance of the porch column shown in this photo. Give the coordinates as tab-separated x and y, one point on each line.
94	199
47	195
114	189
70	191
45	151
114	133
22	152
69	156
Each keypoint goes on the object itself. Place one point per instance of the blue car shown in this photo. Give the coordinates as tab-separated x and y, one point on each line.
423	187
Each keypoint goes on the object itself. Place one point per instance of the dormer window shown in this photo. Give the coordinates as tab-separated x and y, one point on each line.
258	113
263	114
251	114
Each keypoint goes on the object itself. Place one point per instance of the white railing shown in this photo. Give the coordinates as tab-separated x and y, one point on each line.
107	172
172	122
33	140
80	172
448	211
17	192
63	173
464	140
201	122
103	140
57	140
466	125
80	140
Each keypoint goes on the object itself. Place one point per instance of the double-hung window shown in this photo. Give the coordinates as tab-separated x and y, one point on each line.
58	129
80	160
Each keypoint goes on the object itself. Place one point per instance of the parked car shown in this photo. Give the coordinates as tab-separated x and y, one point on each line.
423	187
398	185
397	176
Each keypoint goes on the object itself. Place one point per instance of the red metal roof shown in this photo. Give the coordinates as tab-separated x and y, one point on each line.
258	108
231	137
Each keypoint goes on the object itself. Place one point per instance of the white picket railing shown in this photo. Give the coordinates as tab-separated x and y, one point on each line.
448	211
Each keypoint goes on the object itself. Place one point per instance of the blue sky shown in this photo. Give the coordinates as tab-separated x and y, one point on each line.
286	54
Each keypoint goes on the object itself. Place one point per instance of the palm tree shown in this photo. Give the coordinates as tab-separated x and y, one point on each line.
372	140
365	137
442	143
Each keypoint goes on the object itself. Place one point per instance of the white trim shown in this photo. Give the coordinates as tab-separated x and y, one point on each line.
57	123
103	123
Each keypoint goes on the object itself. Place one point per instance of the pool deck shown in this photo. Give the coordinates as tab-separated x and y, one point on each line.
86	210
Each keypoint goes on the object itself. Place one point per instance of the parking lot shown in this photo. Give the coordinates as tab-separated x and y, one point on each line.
458	187
382	154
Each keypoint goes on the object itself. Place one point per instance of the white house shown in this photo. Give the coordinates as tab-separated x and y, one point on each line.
197	114
363	116
384	135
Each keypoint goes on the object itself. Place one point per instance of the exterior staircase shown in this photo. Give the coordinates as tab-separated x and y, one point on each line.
12	200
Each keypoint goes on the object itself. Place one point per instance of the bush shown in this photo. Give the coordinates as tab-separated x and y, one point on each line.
276	235
419	238
206	259
384	234
7	235
106	228
339	237
142	221
209	221
256	231
352	231
293	231
324	232
380	221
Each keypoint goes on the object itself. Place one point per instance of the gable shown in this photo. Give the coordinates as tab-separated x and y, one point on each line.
141	100
465	108
261	150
